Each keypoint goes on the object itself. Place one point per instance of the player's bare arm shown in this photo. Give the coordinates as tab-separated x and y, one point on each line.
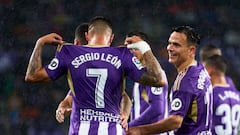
168	124
35	71
126	105
64	109
153	76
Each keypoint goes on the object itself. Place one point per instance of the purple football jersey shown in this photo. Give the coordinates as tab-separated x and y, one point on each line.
95	77
226	108
150	104
230	81
192	99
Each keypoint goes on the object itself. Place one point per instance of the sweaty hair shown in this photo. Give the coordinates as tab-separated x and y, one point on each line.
142	35
218	62
80	33
100	24
208	50
192	37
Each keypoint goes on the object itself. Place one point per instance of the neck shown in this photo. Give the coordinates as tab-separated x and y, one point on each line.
218	80
99	41
186	64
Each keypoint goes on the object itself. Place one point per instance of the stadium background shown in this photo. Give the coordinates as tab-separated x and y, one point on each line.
29	109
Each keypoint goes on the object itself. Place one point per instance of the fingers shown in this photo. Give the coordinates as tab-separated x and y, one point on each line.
141	45
53	39
68	110
124	125
132	39
60	115
124	121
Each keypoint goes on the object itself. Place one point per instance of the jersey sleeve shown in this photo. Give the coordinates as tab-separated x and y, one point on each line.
56	67
181	102
132	66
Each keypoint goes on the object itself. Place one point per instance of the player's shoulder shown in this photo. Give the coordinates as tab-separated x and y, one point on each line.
121	49
65	46
195	70
235	89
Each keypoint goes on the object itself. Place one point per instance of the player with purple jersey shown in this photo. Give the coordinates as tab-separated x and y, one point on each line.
65	106
226	98
144	96
150	104
95	76
191	101
97	94
210	50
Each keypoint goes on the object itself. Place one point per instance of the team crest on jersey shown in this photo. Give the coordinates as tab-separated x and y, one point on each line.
156	90
176	104
137	63
53	64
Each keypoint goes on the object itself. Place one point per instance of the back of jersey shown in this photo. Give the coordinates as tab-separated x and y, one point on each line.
95	77
226	108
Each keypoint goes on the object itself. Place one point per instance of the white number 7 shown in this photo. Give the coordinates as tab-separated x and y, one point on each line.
101	75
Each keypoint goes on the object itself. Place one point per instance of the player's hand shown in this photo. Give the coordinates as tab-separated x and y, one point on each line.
124	121
134	131
133	39
61	112
142	46
52	39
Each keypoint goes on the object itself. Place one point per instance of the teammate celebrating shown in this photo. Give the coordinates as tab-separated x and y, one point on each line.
95	74
191	103
65	106
210	50
150	104
226	98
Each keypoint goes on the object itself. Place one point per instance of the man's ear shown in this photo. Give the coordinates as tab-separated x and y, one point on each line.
192	50
77	42
111	38
210	70
86	36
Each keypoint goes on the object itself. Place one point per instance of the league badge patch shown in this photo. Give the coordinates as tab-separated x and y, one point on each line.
176	104
54	64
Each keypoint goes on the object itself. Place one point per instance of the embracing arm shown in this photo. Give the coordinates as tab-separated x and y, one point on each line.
153	75
126	105
64	108
171	123
155	109
35	70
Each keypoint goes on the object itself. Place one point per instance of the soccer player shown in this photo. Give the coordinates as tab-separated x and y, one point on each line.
210	50
95	74
226	98
191	101
65	106
150	104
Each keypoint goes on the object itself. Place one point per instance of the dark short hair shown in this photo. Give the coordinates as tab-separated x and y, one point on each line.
192	36
142	35
218	62
80	33
100	19
207	51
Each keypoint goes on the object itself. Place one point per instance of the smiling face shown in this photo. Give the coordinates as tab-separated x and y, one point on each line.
179	51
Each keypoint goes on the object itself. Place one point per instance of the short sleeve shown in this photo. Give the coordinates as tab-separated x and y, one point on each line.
181	102
132	66
56	67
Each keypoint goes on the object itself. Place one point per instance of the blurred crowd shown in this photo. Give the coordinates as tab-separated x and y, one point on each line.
29	109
